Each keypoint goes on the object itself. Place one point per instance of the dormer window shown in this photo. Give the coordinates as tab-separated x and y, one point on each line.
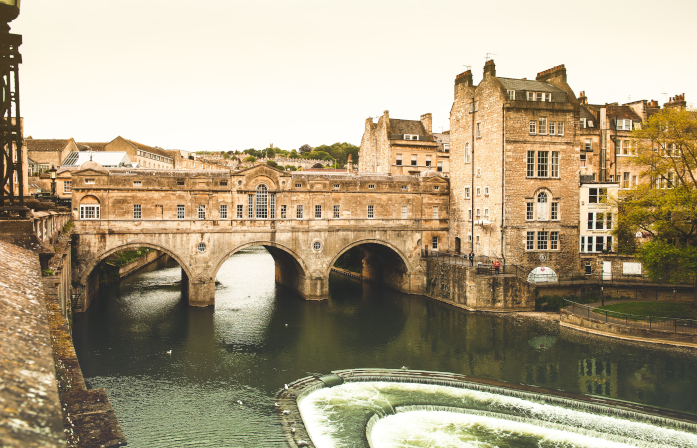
411	137
583	123
511	95
624	125
539	96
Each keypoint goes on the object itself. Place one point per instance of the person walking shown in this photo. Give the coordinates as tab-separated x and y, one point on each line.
497	267
471	257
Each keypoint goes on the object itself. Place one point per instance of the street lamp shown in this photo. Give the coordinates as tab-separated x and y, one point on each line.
52	171
10	125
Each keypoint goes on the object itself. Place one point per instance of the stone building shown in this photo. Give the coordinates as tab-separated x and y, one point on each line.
514	169
47	153
403	147
144	155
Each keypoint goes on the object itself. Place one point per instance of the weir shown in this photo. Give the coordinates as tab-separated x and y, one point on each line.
377	408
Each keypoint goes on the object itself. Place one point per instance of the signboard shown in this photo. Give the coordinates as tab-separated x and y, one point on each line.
630	268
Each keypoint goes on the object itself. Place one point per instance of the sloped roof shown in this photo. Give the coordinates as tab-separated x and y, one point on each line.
407	127
442	138
104	158
622	112
95	146
34	144
150	149
528	84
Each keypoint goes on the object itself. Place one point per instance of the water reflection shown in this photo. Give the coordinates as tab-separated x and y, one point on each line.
243	350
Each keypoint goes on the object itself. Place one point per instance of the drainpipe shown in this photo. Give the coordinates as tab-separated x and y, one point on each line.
503	173
472	190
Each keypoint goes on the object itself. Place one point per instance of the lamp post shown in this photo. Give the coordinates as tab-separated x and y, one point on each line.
10	126
52	171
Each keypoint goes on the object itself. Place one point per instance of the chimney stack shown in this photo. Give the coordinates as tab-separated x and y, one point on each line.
464	77
582	97
489	68
427	122
349	164
555	72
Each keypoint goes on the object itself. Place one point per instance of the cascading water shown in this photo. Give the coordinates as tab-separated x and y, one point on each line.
382	414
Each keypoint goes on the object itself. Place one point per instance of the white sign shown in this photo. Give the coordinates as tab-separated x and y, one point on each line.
629	268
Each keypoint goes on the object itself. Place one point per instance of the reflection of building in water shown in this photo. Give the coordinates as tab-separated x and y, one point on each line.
597	378
543	373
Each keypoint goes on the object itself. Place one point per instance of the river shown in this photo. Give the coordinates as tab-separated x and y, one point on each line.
261	336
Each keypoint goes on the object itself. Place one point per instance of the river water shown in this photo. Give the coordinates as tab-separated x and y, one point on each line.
260	336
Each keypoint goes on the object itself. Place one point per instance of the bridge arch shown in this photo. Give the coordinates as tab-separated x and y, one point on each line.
397	251
94	261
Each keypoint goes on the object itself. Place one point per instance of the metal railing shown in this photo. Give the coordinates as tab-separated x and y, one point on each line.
670	324
604	279
453	258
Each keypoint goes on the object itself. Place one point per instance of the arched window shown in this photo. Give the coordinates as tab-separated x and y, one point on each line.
262	202
468	154
542	207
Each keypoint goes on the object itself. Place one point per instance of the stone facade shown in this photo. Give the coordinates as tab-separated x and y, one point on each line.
200	218
403	147
514	176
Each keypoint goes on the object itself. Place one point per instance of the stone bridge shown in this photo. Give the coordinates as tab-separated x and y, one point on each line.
305	220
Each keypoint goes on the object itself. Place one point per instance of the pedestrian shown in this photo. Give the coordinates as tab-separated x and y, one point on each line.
497	267
471	259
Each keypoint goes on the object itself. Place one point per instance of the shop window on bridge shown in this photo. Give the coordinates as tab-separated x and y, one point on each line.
239	211
223	211
371	211
180	212
262	202
250	206
299	212
137	211
337	212
434	243
89	208
318	212
201	211
67	187
284	211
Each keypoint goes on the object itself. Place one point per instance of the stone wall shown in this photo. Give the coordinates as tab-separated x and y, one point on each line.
463	287
30	409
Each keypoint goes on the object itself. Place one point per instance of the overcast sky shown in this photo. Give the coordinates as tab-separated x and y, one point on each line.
233	74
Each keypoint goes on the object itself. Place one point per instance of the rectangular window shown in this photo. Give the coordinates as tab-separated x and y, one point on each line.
590	221
511	95
371	211
137	211
413	160
180	212
583	244
399	160
479	191
405	212
467	192
592	195
583	123
539	96
530	241
439	167
560	128
542	238
533	127
479	130
599	240
250	206
67	187
618	147
272	206
137	183
554	166
89	181
486	212
554	240
634	180
180	183
298	185
89	211
201	212
531	96
599	221
318	212
583	160
223	211
469	214
529	211
478	213
428	160
531	163
223	183
434	243
542	128
555	211
608	243
551	128
589	244
625	180
435	212
337	186
589	144
542	163
371	186
608	221
299	211
337	212
624	125
240	214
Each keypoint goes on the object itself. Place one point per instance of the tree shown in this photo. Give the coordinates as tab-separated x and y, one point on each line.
272	163
317	165
293	155
665	204
250	159
305	148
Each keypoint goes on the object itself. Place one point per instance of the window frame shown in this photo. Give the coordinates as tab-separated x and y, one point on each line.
299	211
337	211
318	211
371	211
223	211
201	211
94	212
181	211
137	211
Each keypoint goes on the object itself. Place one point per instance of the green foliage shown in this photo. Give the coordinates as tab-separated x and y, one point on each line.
47	272
293	155
290	167
68	227
667	154
305	148
127	256
272	163
251	159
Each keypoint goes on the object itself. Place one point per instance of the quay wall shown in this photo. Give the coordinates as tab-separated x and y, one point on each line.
637	291
461	286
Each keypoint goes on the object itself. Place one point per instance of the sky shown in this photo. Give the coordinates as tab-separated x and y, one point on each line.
220	75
